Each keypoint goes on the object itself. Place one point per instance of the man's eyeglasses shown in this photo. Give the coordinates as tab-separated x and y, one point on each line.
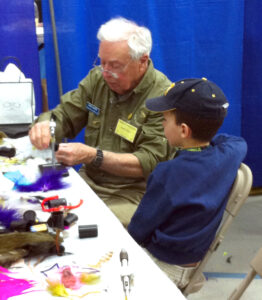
113	68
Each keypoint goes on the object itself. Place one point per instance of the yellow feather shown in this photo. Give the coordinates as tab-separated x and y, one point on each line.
89	278
57	289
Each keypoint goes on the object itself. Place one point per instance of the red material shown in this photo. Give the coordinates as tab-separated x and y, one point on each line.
59	208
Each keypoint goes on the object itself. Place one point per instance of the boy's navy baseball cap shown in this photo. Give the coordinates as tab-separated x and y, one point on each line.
197	96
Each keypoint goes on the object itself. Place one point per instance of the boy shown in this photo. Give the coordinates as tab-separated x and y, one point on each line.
185	199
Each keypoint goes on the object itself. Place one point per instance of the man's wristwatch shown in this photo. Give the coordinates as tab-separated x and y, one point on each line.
97	161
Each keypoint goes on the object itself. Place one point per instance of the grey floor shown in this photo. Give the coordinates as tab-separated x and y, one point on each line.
230	263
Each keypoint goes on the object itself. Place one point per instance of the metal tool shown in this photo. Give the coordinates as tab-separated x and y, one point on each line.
52	132
53	166
125	274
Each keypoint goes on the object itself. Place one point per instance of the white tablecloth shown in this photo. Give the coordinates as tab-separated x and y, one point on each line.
149	281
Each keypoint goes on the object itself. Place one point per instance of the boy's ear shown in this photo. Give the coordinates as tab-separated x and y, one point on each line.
186	131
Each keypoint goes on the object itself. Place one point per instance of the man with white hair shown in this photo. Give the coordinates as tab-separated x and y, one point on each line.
123	140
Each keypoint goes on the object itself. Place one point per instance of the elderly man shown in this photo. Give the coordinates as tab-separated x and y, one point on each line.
123	140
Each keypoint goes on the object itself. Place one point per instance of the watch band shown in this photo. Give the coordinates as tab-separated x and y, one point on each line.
97	161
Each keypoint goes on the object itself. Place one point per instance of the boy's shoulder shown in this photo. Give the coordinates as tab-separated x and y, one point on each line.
227	139
222	146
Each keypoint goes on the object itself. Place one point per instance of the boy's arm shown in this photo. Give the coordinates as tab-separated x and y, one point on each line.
153	210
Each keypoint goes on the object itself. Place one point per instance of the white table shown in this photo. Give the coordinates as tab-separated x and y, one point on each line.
149	281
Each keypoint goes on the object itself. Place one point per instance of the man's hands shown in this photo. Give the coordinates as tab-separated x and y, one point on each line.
40	135
68	153
119	164
75	153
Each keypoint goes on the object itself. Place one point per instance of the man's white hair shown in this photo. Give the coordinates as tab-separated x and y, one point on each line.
138	38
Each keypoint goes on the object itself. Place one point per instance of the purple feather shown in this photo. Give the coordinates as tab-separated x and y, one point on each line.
47	182
8	215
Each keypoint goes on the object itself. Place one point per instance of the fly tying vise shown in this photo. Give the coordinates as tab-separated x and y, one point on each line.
57	221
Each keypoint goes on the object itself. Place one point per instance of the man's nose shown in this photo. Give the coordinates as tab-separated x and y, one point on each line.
107	73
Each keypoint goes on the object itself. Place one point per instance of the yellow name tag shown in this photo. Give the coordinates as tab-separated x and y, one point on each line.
126	130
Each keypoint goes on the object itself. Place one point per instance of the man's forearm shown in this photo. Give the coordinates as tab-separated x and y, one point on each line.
121	164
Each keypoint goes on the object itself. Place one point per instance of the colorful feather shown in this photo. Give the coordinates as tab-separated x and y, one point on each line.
8	215
90	278
57	289
11	286
48	181
68	281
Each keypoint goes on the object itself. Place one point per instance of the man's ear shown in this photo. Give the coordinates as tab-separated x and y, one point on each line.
186	131
144	61
144	58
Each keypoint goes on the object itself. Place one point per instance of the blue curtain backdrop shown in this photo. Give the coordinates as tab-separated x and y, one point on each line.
217	39
190	39
18	39
252	87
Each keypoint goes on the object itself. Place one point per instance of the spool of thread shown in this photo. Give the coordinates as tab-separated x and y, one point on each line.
56	220
30	216
86	231
70	219
57	202
20	225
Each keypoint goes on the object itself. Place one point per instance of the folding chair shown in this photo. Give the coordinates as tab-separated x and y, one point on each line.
256	265
238	195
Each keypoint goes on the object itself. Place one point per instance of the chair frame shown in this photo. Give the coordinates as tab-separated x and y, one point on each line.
237	197
256	268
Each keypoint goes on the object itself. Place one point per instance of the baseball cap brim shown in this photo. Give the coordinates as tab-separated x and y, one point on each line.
160	104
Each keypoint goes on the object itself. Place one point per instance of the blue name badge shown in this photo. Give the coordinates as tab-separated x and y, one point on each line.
91	107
